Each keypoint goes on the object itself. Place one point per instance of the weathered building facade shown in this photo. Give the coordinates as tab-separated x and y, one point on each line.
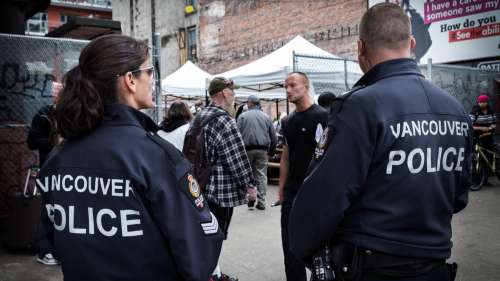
219	35
175	20
235	32
222	34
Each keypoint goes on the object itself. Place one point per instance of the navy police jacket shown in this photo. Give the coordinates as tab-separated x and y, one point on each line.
123	206
392	168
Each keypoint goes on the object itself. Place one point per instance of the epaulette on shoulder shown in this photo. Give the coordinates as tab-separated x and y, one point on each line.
339	100
347	94
173	154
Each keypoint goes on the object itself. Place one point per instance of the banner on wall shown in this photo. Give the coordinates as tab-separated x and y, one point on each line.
453	30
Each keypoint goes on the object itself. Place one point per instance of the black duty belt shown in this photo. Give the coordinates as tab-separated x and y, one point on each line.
350	261
373	259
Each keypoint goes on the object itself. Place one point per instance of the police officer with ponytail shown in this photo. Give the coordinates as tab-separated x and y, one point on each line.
121	201
392	168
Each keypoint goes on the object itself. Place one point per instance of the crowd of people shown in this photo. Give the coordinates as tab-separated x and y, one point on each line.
117	186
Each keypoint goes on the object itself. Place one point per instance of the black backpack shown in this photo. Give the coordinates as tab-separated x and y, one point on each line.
194	149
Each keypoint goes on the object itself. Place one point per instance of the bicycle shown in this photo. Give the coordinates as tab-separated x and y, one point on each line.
482	165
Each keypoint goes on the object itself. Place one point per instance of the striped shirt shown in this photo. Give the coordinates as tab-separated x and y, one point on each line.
481	119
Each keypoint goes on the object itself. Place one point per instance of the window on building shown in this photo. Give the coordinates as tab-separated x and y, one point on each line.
191	44
63	18
37	24
94	3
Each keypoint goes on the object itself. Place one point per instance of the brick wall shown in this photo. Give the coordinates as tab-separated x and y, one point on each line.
235	32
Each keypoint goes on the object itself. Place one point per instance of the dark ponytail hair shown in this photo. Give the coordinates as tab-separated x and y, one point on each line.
92	83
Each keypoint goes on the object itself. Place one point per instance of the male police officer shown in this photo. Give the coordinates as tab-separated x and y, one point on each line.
392	166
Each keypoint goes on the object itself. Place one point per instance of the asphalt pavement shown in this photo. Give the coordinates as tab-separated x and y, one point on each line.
253	249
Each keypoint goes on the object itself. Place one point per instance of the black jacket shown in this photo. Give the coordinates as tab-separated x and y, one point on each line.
125	207
393	168
41	133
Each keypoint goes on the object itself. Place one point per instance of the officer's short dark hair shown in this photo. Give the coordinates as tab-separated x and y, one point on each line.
385	25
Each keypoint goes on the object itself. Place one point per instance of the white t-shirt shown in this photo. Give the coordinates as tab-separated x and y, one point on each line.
176	137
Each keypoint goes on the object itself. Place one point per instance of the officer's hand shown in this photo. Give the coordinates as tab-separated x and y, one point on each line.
251	193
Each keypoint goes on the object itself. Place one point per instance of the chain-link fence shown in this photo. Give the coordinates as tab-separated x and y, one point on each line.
465	83
29	66
326	74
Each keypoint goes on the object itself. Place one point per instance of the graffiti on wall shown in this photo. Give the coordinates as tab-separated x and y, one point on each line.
465	84
260	49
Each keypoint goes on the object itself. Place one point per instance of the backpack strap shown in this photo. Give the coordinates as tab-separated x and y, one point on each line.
209	118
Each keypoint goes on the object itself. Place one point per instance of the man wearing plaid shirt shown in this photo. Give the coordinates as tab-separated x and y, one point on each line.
231	182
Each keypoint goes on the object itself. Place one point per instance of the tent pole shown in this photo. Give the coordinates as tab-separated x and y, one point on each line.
345	75
294	65
156	62
277	110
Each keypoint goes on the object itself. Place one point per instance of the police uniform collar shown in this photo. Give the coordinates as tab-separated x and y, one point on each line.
389	68
117	114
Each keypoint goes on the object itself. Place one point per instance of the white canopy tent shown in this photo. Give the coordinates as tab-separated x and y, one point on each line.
267	74
187	81
190	81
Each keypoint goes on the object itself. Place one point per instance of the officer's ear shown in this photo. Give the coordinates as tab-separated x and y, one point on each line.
413	43
364	62
128	82
361	48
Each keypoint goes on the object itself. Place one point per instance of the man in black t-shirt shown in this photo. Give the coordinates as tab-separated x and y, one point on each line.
301	130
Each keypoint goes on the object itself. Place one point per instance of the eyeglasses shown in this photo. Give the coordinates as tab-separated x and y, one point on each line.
150	71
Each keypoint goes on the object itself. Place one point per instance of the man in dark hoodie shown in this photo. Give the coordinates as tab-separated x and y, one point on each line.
42	136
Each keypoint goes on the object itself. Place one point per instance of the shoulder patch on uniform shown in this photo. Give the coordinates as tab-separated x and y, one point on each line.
194	187
192	190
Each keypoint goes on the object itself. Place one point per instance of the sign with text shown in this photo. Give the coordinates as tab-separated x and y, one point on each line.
453	30
490	65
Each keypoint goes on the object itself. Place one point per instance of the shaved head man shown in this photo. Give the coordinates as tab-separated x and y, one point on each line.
300	129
